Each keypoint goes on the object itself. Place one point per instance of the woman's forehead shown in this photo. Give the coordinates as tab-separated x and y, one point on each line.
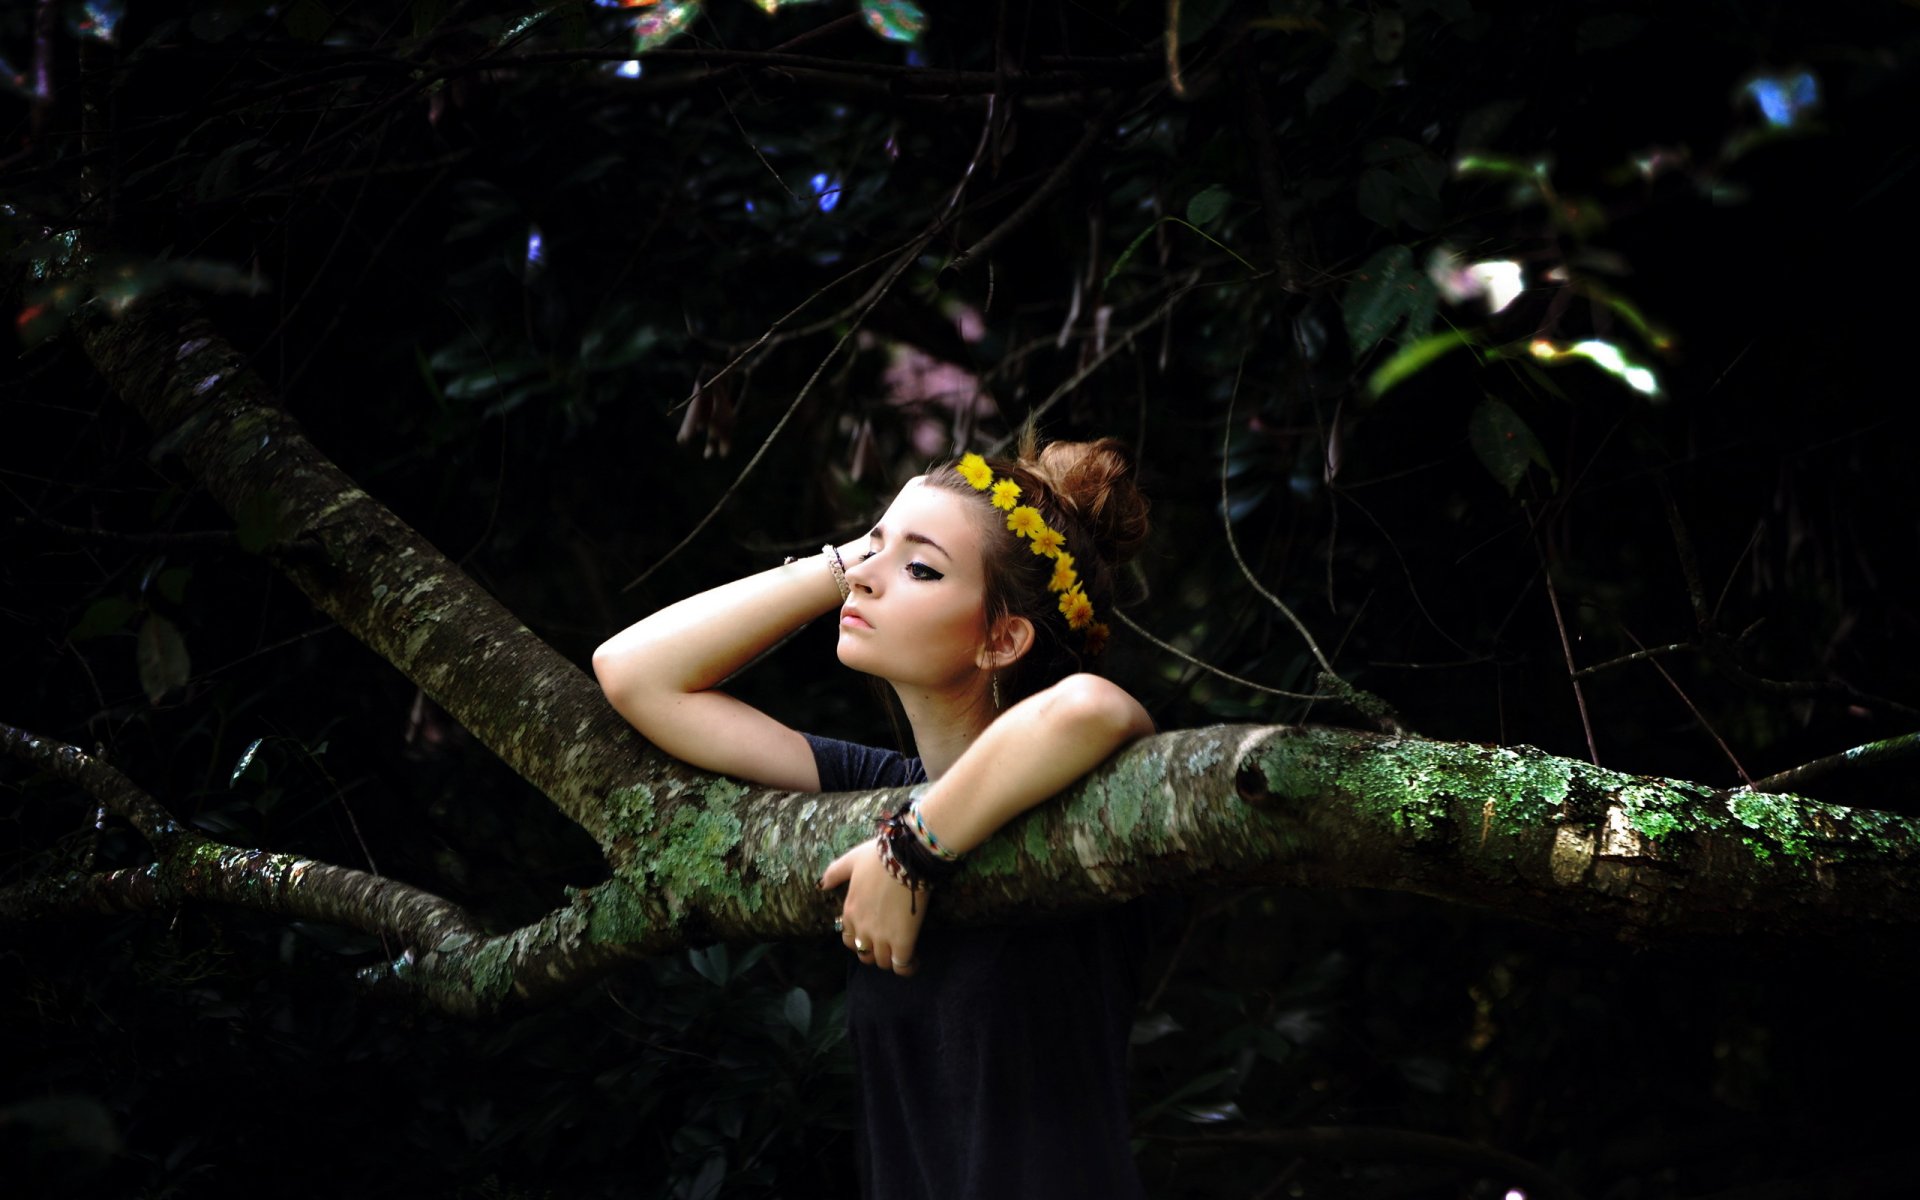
934	512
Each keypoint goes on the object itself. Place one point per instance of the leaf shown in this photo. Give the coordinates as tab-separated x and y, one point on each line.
162	657
1330	83
798	1010
1142	236
894	20
1379	196
1206	207
1386	288
1413	358
663	23
1504	444
173	584
102	617
711	962
308	20
706	1185
246	760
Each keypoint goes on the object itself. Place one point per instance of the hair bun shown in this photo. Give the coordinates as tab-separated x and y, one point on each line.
1095	481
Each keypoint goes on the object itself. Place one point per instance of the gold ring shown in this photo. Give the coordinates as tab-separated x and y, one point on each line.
859	946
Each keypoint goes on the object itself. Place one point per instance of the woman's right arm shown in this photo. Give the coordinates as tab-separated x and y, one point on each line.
660	673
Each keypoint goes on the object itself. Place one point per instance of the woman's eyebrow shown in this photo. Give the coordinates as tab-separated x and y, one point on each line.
879	534
923	540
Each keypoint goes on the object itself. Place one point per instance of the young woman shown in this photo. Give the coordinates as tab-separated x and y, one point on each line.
991	1061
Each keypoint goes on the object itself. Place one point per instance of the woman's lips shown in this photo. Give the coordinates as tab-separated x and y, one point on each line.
853	620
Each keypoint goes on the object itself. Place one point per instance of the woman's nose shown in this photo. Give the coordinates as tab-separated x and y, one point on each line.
860	574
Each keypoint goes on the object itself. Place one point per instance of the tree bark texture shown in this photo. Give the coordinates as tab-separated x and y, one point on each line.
697	857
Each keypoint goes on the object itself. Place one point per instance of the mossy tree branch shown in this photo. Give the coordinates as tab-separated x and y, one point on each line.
1516	830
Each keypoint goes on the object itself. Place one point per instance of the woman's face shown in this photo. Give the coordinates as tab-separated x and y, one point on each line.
917	615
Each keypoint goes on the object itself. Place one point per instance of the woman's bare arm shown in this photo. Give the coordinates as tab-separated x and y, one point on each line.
1033	750
660	673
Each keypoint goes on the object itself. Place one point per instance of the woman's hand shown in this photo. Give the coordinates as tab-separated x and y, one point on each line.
880	914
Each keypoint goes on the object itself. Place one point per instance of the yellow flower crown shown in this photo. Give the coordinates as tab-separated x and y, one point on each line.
1025	521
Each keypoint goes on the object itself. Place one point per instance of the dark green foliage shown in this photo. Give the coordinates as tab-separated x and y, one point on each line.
354	198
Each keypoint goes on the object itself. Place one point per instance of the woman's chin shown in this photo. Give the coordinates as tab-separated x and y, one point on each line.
853	655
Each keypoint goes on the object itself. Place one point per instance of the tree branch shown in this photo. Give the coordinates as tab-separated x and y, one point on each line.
363	566
1096	129
97	779
1871	754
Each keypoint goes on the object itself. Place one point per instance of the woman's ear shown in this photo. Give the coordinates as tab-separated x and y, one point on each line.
1007	642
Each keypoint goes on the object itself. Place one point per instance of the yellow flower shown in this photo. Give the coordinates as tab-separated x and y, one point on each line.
1064	576
1026	521
975	471
1005	492
1048	541
1075	606
1097	637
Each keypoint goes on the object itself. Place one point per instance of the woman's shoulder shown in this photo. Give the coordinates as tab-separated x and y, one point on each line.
850	766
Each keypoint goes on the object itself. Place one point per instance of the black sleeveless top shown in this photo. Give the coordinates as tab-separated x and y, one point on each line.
997	1070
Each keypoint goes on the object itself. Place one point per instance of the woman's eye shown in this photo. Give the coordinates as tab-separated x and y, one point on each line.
922	571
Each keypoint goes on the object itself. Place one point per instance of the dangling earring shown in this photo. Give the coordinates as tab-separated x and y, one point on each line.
995	676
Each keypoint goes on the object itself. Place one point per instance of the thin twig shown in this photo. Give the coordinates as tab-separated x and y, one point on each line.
366	267
1734	571
210	538
1689	561
906	260
1233	546
1266	164
728	102
1211	669
1636	656
1871	754
1566	648
1096	129
1174	82
1697	714
1118	343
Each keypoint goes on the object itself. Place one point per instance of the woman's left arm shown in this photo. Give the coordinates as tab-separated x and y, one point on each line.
1033	750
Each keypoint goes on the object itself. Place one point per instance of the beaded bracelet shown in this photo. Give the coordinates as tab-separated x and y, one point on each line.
839	569
835	563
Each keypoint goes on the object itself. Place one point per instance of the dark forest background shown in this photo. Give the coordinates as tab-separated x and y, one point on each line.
550	303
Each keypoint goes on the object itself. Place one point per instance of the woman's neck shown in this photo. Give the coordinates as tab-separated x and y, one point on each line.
944	724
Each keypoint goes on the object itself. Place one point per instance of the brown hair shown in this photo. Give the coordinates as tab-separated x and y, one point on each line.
1086	491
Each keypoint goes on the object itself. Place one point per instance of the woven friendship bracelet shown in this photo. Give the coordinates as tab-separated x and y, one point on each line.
926	834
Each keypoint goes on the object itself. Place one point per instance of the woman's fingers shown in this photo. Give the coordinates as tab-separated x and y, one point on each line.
879	921
903	961
838	871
